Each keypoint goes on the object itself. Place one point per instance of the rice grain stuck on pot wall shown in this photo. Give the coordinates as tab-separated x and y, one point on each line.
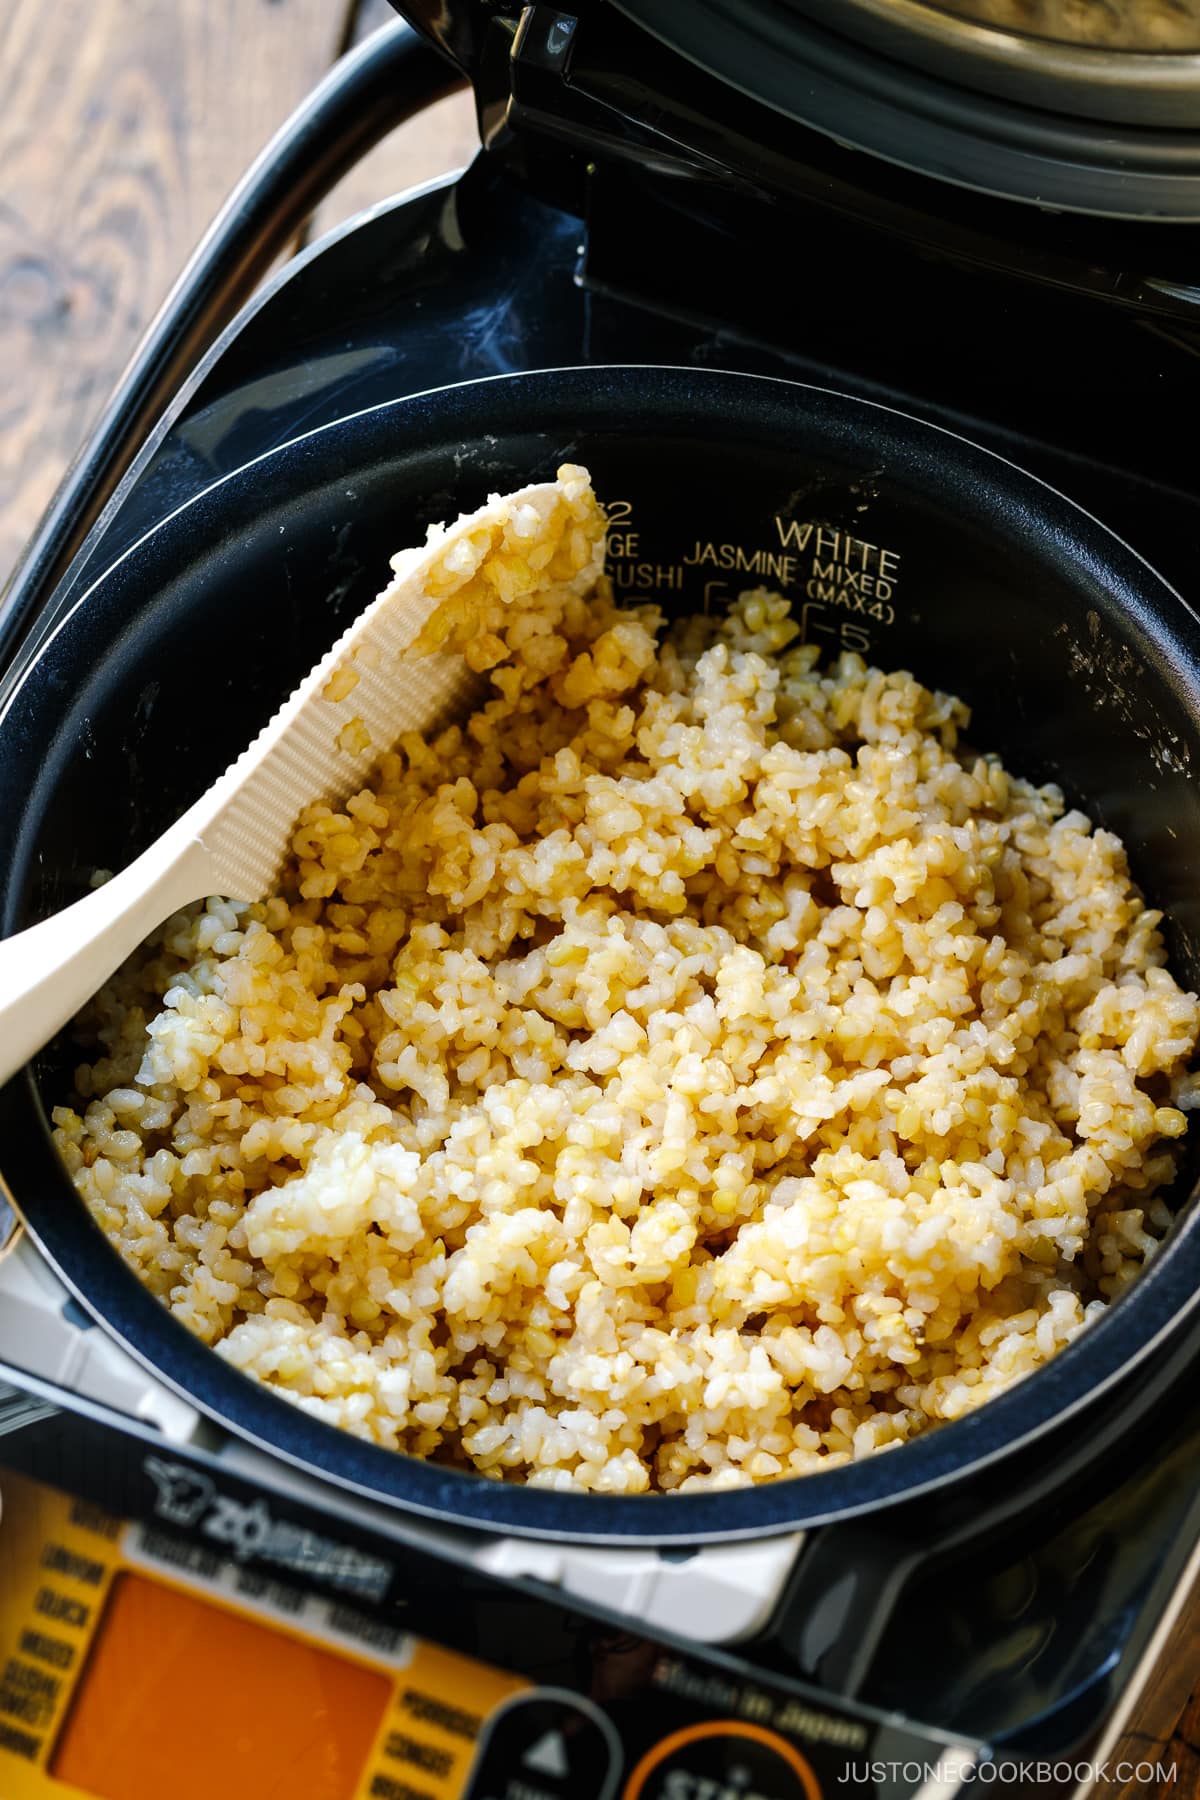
693	1069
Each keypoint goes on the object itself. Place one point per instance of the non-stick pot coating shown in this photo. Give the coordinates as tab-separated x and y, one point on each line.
892	538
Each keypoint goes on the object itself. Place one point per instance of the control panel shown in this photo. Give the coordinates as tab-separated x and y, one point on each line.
166	1628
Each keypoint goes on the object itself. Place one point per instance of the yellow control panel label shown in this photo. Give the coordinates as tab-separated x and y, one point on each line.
134	1665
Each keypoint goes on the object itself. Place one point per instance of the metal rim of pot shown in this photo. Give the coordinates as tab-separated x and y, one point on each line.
1161	1305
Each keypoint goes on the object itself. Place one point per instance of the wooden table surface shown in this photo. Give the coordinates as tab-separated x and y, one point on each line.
123	124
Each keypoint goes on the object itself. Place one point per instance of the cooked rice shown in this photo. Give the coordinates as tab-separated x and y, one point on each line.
694	1069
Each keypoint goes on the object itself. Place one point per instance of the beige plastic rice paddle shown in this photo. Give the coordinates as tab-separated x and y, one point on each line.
320	745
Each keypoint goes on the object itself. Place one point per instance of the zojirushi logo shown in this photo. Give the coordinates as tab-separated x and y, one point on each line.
248	1531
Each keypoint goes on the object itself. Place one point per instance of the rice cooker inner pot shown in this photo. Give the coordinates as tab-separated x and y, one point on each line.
894	540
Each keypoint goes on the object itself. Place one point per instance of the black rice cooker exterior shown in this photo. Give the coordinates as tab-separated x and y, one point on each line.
1082	667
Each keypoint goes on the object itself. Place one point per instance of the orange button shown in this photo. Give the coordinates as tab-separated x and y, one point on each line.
723	1759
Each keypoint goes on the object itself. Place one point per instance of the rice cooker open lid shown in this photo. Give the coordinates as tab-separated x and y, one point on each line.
1104	128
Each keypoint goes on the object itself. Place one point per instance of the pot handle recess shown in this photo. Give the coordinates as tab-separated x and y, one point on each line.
859	1583
45	1333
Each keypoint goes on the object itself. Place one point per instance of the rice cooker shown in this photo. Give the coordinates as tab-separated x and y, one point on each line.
932	398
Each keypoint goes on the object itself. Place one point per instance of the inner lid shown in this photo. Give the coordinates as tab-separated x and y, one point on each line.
1086	106
1132	61
1093	128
